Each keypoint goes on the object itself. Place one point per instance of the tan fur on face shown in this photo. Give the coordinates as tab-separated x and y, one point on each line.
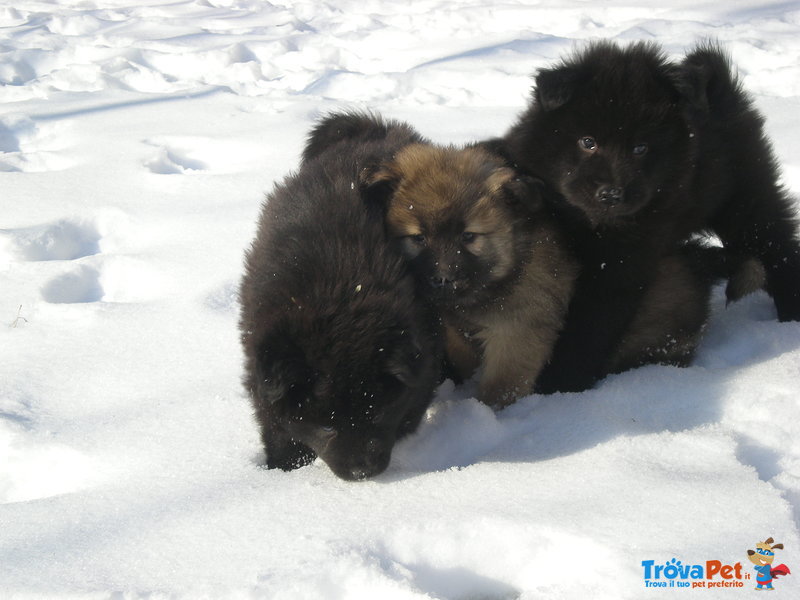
435	184
510	337
432	178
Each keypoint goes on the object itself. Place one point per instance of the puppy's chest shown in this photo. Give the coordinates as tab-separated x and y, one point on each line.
610	254
472	321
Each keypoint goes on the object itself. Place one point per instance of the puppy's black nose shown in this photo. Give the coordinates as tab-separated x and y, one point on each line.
440	282
358	473
374	460
610	195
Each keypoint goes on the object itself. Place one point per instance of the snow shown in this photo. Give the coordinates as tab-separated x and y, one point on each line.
136	142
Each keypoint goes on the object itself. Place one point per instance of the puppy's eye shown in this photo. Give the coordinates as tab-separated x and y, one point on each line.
640	149
327	432
468	237
412	245
588	143
390	383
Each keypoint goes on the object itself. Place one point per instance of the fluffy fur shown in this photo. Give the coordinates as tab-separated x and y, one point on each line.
365	128
643	152
673	314
477	237
341	357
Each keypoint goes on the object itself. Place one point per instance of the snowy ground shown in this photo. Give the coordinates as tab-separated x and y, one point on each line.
136	141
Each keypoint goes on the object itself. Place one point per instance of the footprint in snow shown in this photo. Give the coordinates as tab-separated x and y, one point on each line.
224	299
184	155
119	279
30	147
173	161
78	286
88	275
61	240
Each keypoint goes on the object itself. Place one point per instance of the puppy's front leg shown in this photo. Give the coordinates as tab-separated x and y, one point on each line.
461	354
513	356
285	453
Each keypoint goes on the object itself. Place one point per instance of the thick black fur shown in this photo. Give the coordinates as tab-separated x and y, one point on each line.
341	357
736	193
643	152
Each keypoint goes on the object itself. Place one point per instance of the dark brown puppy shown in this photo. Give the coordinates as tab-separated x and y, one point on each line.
341	357
643	152
477	236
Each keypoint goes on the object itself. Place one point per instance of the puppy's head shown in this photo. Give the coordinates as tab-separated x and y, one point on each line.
458	216
346	385
610	130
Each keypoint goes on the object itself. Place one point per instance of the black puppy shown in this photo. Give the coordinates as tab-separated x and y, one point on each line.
342	359
643	152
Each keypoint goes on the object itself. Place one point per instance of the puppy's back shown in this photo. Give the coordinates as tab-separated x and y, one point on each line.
317	246
358	127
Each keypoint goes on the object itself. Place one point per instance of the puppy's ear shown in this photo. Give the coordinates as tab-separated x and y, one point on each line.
279	366
555	87
692	83
272	383
525	192
706	78
404	360
378	183
497	147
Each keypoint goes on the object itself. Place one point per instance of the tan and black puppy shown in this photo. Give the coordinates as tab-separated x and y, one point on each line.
478	237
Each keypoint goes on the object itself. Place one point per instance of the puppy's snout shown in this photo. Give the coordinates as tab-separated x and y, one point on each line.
610	195
442	275
438	281
374	460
